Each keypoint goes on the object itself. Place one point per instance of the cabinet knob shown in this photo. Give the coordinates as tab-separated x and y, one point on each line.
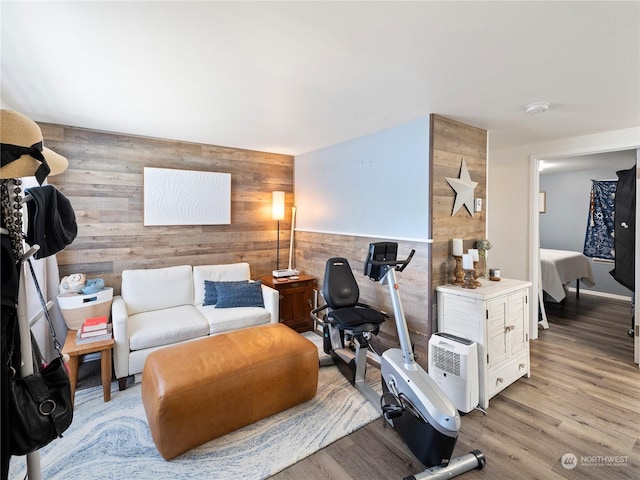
499	380
522	365
508	328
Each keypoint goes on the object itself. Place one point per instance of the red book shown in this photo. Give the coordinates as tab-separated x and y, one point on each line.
95	323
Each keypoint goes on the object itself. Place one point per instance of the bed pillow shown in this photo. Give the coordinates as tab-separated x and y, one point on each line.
237	294
210	292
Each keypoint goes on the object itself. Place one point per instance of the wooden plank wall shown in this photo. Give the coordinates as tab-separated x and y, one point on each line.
450	142
314	249
104	183
105	186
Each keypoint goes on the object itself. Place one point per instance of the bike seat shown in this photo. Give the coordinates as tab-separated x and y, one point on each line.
356	319
340	291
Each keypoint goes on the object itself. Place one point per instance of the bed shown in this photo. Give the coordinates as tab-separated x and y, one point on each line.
560	267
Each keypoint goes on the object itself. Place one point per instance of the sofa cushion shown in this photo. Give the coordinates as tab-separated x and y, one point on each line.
226	319
217	273
211	293
157	288
233	294
166	327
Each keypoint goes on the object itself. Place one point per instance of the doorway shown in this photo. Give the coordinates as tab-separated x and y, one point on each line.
558	158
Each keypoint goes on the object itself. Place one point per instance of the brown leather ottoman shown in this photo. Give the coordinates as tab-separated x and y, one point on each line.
197	391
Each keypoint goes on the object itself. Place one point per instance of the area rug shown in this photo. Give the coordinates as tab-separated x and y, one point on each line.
112	440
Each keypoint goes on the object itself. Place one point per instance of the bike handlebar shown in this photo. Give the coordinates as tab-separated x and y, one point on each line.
400	265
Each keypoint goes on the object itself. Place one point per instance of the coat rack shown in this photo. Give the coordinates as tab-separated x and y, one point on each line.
24	325
26	156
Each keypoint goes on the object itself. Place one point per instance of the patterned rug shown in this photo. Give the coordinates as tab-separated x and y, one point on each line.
112	440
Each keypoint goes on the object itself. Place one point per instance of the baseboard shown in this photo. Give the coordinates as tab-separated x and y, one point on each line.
614	296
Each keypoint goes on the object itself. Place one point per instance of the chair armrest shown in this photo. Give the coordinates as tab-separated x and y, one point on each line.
317	318
119	318
271	299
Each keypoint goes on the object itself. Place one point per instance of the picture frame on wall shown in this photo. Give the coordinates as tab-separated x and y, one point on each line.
186	197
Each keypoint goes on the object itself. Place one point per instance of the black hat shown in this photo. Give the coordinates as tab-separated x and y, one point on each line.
52	221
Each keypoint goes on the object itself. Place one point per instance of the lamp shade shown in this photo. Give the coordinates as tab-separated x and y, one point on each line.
277	206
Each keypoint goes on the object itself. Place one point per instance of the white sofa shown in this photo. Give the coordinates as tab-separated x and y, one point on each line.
158	307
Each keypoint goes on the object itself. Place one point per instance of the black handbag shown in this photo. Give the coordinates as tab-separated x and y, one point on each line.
40	406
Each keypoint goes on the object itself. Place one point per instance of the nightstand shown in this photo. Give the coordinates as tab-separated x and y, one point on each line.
296	300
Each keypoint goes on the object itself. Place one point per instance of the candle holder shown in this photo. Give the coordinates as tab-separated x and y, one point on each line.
458	273
475	274
469	280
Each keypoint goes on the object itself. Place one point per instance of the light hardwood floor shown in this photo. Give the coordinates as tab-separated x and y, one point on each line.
583	398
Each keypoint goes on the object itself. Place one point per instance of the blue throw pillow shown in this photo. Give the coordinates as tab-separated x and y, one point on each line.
210	292
235	294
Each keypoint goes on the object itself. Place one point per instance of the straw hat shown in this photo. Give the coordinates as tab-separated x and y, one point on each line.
23	150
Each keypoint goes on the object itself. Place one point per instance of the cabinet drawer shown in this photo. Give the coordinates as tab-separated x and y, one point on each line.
503	376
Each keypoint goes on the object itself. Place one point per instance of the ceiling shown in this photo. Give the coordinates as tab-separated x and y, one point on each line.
291	77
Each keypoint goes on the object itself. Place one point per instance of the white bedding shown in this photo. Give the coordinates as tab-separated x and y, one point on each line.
559	267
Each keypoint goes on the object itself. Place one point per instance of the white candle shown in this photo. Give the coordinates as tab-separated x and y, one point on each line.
474	254
467	262
457	247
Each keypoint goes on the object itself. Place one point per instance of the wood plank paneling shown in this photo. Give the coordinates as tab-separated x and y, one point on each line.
452	141
314	249
104	183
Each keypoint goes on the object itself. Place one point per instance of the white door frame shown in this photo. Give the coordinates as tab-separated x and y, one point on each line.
534	239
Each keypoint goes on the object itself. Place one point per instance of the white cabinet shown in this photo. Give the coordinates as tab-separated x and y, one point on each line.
496	317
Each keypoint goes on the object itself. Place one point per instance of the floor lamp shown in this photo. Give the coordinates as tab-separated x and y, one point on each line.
277	213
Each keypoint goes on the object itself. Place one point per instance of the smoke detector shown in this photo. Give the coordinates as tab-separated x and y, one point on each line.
537	107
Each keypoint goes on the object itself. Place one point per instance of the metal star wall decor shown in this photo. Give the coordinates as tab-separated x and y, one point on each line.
464	188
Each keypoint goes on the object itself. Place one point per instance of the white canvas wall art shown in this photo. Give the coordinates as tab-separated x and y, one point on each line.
186	197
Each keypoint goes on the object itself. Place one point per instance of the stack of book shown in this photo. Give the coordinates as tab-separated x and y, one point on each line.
94	329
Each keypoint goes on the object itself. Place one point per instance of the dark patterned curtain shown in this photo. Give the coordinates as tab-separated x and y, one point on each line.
599	239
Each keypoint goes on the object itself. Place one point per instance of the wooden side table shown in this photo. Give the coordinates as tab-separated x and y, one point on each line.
296	300
76	351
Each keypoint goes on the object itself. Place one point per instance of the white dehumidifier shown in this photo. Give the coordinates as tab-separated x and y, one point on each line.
453	365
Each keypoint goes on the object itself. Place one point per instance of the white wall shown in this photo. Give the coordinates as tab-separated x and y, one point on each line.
373	186
512	208
507	207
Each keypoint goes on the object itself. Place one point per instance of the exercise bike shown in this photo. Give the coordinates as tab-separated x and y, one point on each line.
411	402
